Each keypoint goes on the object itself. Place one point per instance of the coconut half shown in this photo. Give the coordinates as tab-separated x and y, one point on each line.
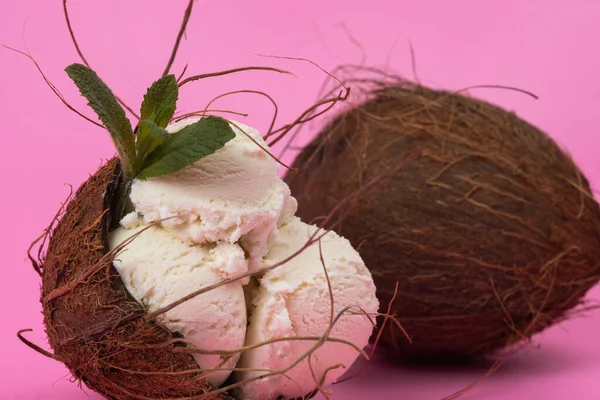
93	324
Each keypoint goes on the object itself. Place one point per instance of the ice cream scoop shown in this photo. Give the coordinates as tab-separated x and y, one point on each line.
293	300
232	195
158	268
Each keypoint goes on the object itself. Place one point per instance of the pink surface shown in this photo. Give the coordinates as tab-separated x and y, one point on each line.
549	48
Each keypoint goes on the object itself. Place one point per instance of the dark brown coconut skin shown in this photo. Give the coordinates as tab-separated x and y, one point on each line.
489	229
95	327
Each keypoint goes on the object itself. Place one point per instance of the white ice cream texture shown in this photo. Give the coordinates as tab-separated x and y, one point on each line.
158	268
234	195
294	300
231	213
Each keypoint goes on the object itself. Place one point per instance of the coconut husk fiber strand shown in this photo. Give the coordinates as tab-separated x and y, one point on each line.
490	230
93	324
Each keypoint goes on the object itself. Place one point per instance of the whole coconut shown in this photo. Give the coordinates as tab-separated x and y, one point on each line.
489	229
93	324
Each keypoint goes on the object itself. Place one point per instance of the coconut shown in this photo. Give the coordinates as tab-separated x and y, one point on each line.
93	324
489	229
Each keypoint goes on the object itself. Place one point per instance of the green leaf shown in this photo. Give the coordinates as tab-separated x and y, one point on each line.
150	136
160	101
108	109
185	147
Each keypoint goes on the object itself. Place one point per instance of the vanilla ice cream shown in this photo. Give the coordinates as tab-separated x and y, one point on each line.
158	268
233	195
293	300
230	213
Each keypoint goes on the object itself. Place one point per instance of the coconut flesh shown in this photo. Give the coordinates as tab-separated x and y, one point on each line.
489	229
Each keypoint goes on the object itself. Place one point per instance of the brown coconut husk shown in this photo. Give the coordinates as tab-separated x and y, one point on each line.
490	229
93	324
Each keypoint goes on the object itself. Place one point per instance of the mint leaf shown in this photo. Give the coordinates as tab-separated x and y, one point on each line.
101	99
160	101
150	136
185	147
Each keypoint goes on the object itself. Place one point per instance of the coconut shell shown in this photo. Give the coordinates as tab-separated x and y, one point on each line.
93	324
489	228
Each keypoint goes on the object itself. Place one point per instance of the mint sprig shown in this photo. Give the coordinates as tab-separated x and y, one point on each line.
150	151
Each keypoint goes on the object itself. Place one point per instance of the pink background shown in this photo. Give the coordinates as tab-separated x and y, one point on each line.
547	47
